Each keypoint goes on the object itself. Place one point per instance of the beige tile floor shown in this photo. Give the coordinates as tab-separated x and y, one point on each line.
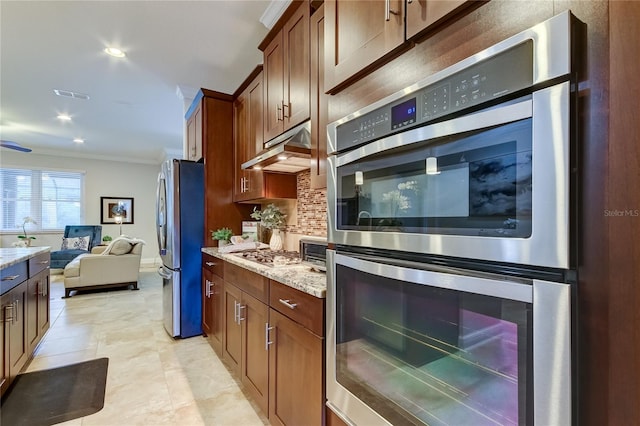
152	379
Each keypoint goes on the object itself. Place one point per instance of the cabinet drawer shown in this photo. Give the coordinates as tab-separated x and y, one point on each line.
254	284
39	263
301	307
12	276
213	264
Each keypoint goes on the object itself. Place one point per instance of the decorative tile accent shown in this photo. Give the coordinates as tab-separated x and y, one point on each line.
311	208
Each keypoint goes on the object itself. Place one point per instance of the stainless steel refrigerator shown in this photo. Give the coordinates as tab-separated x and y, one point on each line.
180	230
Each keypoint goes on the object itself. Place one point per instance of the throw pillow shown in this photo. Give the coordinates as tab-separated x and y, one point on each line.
75	243
120	247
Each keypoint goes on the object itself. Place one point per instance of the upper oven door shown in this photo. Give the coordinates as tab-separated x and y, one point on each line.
493	185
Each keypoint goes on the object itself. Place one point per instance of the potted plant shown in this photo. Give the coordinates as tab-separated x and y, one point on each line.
271	217
223	235
106	239
25	240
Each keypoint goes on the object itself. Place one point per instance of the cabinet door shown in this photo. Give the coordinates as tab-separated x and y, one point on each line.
32	327
297	76
421	14
207	302
18	348
216	308
254	316
359	33
273	88
240	145
44	302
5	317
295	373
254	179
194	135
319	103
232	334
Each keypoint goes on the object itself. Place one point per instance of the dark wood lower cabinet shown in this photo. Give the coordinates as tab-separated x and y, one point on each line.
14	313
254	317
24	315
232	332
295	373
273	342
212	301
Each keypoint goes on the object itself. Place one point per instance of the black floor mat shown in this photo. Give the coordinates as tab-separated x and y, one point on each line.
57	395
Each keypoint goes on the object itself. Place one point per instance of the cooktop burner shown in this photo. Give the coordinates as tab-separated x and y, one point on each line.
271	258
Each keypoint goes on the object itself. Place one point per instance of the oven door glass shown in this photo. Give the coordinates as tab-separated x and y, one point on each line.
421	354
475	183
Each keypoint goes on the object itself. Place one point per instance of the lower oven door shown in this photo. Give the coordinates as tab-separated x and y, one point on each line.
420	344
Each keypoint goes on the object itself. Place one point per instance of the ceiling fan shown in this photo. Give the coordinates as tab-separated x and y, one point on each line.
14	145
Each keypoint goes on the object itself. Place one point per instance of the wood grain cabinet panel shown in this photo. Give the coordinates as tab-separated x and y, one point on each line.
24	314
423	14
319	103
248	139
254	319
295	373
215	128
287	75
357	35
212	301
232	331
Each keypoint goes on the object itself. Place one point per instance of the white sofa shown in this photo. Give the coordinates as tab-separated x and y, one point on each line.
115	265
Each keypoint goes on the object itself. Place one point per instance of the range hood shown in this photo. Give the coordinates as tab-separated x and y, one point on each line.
288	153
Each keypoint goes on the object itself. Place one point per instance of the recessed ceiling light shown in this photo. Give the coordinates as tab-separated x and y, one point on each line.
64	117
78	140
115	52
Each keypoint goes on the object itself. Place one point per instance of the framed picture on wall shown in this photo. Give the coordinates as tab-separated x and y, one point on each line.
116	210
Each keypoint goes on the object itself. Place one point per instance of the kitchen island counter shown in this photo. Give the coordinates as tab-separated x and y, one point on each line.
11	256
298	276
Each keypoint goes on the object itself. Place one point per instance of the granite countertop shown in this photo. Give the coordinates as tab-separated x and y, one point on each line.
299	276
11	256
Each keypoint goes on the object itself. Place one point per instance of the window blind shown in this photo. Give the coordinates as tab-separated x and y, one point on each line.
52	198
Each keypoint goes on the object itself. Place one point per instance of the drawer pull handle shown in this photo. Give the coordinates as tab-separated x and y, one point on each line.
288	304
10	277
209	263
44	262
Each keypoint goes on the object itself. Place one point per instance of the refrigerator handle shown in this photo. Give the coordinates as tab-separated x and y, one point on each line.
161	214
162	272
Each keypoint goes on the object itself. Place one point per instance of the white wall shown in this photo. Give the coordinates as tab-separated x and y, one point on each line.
102	178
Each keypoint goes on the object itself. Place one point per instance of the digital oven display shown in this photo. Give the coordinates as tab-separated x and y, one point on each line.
403	114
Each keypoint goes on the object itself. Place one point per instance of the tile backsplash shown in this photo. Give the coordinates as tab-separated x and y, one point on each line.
311	209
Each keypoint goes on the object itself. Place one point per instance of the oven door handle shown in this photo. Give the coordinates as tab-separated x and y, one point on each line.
478	121
451	281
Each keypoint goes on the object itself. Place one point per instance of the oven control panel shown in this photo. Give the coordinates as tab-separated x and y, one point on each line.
492	78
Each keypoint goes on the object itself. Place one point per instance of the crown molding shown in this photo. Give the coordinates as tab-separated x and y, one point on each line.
273	12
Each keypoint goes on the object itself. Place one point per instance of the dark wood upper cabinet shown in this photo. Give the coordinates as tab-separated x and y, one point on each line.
361	36
319	103
357	35
253	185
248	139
215	130
287	74
194	136
424	14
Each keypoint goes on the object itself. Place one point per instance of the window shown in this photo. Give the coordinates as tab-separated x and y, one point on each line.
52	198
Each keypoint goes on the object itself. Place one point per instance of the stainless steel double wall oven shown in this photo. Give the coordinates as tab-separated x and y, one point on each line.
451	217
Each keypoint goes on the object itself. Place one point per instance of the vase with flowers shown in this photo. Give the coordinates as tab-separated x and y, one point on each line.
25	239
271	217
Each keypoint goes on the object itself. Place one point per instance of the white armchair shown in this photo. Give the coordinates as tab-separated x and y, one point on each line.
115	265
